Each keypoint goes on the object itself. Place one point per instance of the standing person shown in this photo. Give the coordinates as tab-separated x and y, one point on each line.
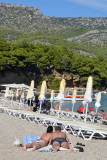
59	139
42	142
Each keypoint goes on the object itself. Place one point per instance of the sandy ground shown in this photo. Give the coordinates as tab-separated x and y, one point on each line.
95	149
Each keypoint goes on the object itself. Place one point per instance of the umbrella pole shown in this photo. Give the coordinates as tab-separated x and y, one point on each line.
30	102
84	108
72	107
51	104
86	111
40	106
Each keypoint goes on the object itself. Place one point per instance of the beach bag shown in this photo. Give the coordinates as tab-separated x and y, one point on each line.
30	139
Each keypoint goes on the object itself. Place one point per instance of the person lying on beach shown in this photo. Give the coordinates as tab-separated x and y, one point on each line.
100	114
104	115
42	142
56	107
59	139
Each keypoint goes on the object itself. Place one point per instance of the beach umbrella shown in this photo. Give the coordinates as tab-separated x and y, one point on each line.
11	94
88	94
42	93
22	95
97	104
14	85
60	96
17	93
30	94
52	97
73	99
7	92
32	84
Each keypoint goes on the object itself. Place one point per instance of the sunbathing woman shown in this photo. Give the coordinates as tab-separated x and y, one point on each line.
59	139
42	142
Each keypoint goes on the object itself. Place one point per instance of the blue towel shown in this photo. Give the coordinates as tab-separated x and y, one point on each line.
30	139
46	149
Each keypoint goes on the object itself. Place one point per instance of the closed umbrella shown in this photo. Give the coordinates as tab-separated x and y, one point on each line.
42	93
7	92
52	97
60	96
17	93
30	94
73	99
22	95
11	94
88	94
97	104
32	84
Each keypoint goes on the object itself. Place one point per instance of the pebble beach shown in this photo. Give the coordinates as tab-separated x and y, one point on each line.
95	149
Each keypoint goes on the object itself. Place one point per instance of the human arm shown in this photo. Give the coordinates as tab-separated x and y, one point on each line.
50	140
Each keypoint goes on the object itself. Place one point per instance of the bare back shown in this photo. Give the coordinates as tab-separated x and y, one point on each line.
46	136
58	134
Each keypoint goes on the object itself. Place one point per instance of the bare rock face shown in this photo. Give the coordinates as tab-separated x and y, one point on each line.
76	79
57	74
71	80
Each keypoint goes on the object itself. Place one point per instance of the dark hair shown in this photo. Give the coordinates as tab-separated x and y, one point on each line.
57	128
102	110
49	129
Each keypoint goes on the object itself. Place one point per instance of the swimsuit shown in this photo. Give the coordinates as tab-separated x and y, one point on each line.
60	140
38	140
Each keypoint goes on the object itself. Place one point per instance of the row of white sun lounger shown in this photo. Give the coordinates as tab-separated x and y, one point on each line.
12	103
72	115
84	131
78	116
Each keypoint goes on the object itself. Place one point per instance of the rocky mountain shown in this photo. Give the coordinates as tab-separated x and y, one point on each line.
90	33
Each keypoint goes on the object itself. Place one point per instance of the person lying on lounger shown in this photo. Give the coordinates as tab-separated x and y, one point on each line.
59	139
42	142
104	115
101	114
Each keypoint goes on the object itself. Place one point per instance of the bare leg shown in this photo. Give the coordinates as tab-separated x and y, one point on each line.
27	146
68	146
65	145
24	148
55	146
34	148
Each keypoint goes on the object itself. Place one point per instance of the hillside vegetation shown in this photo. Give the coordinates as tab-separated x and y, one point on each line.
83	34
42	60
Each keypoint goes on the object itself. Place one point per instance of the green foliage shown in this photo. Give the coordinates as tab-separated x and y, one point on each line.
55	84
4	46
42	59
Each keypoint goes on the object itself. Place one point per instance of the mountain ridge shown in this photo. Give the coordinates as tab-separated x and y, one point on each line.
89	32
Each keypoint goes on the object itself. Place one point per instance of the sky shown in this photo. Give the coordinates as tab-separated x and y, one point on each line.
67	8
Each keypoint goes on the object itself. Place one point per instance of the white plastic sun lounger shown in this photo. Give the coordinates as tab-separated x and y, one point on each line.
88	133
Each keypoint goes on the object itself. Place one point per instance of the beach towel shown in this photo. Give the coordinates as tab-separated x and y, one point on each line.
49	149
46	149
30	139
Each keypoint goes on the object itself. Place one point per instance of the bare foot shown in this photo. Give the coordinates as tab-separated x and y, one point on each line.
34	148
24	148
56	149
